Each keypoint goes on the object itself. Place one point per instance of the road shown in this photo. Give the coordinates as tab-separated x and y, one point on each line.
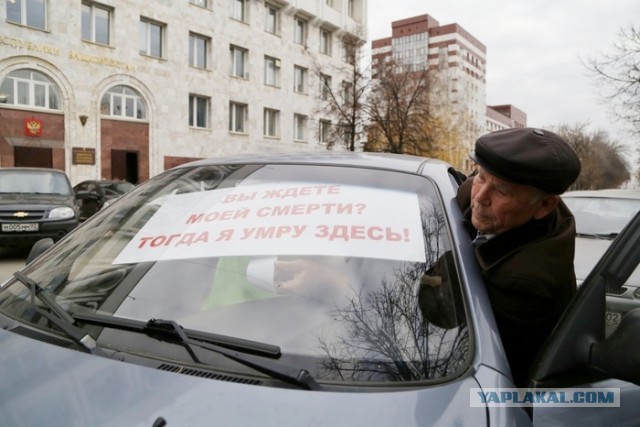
11	260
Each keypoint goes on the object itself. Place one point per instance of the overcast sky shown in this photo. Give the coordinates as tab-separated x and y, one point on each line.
534	50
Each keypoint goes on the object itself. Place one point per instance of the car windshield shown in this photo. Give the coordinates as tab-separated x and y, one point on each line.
324	262
116	188
602	216
34	182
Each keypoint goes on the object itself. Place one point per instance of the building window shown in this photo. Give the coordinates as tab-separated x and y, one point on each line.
271	71
271	123
238	62
198	50
347	133
299	79
299	127
324	131
201	3
96	23
123	101
238	114
300	31
31	88
349	52
32	13
347	92
272	19
151	38
325	87
239	10
325	41
198	111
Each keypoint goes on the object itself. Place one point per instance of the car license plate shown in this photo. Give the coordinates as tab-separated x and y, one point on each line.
27	226
612	318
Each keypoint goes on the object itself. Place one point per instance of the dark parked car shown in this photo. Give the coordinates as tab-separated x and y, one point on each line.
283	291
35	203
95	195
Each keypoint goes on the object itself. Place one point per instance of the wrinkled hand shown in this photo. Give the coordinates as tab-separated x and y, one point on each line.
309	278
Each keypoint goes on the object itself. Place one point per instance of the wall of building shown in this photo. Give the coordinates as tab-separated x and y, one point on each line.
501	117
84	71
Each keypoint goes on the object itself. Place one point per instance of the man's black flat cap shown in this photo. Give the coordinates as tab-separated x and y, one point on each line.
535	157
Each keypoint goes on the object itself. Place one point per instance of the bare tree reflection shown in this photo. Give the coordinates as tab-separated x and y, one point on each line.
386	337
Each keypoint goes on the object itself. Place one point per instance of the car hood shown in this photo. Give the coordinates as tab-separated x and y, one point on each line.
23	200
588	253
43	384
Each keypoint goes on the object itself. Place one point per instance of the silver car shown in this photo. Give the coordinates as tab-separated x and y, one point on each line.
600	217
282	290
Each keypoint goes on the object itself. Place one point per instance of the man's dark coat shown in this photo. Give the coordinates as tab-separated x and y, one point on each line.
529	275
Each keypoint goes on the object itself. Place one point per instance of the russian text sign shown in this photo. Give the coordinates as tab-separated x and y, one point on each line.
290	219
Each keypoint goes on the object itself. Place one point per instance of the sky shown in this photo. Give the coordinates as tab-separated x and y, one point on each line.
535	51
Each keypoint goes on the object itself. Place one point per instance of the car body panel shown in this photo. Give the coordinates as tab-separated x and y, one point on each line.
71	389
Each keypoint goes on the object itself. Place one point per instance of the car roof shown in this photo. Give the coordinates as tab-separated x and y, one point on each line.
610	193
32	169
103	182
398	162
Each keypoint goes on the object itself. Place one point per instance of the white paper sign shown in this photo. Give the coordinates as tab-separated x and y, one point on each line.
304	219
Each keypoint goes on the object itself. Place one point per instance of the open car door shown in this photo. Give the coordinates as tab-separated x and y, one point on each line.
593	354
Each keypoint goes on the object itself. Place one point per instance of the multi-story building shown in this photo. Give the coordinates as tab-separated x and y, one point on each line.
457	63
504	117
129	88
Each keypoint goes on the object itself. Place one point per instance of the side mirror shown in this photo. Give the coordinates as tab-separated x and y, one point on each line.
39	248
618	355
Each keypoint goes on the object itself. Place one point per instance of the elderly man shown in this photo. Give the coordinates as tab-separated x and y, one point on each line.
524	234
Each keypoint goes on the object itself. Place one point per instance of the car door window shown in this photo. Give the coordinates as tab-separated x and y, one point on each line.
593	349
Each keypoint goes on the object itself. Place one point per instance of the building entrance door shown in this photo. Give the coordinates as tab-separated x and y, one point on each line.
124	165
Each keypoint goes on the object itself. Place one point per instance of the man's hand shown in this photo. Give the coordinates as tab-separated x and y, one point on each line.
310	278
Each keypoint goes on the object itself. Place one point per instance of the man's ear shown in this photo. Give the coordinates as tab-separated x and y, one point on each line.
547	204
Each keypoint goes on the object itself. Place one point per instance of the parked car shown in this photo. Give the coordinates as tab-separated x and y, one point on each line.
35	203
97	194
282	290
600	217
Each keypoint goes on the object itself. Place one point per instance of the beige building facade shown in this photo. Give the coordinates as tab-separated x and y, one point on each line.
129	88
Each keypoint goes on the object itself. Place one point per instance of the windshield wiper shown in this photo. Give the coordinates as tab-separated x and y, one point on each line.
242	351
606	236
60	317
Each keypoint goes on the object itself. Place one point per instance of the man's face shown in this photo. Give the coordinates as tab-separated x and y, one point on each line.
498	205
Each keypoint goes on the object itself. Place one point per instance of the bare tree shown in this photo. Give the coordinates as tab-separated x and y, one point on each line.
386	334
399	107
619	75
344	103
603	161
386	338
